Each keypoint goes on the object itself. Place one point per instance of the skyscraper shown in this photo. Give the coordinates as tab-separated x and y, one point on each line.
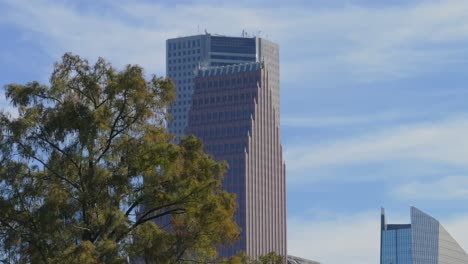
228	96
185	54
424	241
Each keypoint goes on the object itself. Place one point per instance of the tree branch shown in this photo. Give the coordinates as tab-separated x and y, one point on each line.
76	186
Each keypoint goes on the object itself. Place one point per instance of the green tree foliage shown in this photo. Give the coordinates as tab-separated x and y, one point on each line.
86	168
270	258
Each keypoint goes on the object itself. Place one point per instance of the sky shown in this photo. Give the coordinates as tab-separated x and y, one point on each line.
374	108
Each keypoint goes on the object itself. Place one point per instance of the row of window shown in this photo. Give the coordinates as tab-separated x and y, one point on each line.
180	80
204	118
233	45
228	82
183	53
236	58
181	74
177	110
184	44
183	60
217	132
181	102
190	67
179	124
243	97
183	88
223	148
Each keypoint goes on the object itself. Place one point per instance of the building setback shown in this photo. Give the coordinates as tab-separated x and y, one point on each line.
424	241
185	54
233	111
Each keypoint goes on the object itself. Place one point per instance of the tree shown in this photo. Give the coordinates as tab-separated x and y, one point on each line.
87	167
270	258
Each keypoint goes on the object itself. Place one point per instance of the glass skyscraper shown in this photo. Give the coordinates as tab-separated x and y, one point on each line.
424	241
228	95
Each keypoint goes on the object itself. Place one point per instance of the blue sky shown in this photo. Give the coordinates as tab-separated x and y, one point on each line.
374	96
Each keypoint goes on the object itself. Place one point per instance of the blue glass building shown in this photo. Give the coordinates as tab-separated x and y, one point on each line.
424	241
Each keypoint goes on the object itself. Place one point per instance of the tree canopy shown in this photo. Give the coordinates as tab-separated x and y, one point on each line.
87	168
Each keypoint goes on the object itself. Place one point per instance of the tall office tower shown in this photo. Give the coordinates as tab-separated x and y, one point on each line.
185	54
424	241
234	113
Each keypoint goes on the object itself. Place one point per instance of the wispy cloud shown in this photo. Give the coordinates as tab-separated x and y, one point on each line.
443	141
364	43
443	188
340	120
352	239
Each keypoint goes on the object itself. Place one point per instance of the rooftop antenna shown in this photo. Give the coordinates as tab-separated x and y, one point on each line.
206	32
198	29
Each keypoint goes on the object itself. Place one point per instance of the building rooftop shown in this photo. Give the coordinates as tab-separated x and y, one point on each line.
228	69
298	260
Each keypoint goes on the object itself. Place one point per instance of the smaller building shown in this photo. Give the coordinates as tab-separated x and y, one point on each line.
298	260
424	241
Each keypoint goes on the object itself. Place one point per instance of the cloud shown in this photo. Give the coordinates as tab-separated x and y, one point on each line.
353	238
443	142
362	43
444	188
58	28
337	121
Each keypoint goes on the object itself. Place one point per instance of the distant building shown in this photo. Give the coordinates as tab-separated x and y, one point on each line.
297	260
424	241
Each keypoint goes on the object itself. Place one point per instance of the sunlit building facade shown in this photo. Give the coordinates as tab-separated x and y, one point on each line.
424	241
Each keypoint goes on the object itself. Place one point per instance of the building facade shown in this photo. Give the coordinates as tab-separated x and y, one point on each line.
424	241
233	112
228	94
185	54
